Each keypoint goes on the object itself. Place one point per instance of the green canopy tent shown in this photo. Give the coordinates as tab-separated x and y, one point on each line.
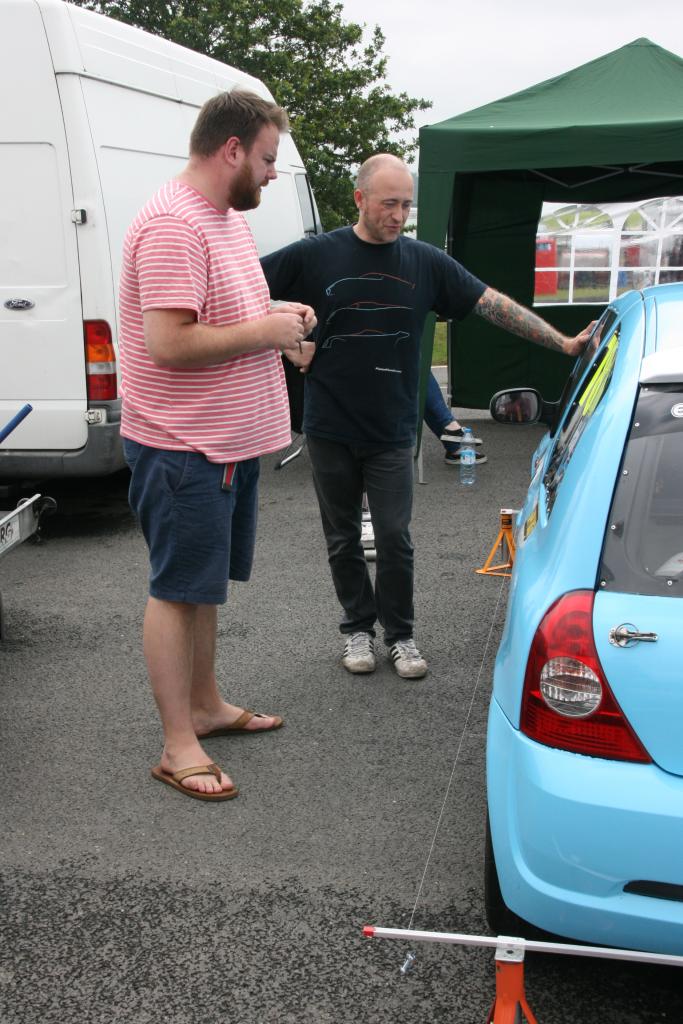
610	130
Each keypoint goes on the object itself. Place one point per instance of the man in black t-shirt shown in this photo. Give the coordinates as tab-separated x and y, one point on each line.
372	287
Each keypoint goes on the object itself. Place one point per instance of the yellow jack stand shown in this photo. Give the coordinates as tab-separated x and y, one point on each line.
510	1005
504	542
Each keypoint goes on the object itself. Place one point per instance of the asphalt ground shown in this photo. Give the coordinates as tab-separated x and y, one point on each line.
123	901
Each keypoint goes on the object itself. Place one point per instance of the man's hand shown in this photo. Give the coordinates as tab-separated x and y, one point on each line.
305	312
302	358
575	346
285	329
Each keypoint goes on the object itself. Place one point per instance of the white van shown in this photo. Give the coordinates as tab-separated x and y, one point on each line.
95	116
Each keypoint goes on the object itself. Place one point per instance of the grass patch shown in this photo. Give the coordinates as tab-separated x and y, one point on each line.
561	296
439	357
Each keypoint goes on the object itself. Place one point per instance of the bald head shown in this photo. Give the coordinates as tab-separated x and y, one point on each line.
379	162
384	196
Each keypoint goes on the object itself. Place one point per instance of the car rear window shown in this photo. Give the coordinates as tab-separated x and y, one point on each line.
643	548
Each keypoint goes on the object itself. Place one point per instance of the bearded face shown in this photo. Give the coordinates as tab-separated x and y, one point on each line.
256	170
245	193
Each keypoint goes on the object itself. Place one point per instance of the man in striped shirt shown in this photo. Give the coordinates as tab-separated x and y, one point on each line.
203	397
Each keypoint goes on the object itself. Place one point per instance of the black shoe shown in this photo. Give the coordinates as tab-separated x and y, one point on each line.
457	435
453	458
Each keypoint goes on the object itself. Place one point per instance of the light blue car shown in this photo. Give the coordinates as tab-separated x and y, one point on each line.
585	733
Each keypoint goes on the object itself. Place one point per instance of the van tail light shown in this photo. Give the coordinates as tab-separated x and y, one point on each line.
100	361
567	702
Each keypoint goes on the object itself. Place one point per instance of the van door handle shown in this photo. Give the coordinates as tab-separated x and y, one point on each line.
627	634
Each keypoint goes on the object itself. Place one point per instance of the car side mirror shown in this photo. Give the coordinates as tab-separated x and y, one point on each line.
521	406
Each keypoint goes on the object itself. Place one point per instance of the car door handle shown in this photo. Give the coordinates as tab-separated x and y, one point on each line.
627	634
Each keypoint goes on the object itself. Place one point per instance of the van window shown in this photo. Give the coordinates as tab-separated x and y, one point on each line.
582	407
32	227
643	547
308	211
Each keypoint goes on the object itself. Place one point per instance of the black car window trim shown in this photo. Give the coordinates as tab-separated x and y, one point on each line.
586	400
603	329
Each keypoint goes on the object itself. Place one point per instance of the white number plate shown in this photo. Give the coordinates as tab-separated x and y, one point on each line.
9	534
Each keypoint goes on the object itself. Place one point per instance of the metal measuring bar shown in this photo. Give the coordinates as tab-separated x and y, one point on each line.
519	945
510	1004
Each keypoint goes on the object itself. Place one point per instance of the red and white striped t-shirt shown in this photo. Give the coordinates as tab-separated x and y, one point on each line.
183	253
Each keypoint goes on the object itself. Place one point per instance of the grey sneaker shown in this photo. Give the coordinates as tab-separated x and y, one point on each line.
407	660
359	653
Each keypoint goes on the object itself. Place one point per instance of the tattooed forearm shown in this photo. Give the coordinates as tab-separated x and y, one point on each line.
506	313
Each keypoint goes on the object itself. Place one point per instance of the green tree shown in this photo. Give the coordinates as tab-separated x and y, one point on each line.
330	79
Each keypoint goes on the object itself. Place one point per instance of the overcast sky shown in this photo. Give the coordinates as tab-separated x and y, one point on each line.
462	53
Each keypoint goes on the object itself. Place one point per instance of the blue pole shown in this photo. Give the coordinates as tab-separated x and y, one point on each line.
15	421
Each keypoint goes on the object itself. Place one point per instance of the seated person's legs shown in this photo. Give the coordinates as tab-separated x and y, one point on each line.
437	415
443	425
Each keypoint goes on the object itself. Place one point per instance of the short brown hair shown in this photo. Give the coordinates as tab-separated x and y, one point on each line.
238	113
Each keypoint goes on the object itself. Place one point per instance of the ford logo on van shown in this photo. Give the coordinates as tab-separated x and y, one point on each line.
19	304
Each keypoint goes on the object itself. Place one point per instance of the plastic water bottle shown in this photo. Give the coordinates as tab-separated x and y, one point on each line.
468	459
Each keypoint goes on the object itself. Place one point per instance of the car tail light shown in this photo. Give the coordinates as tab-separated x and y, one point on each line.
567	702
100	361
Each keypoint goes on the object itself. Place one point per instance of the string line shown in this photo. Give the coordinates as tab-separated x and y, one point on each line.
457	755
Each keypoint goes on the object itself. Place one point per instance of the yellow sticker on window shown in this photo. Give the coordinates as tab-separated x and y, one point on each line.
597	385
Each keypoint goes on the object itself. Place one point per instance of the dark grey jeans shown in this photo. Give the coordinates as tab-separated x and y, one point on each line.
341	472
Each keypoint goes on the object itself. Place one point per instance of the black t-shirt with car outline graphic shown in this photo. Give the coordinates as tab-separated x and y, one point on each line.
371	301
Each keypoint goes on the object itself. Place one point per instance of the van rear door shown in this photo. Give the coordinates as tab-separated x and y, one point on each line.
41	324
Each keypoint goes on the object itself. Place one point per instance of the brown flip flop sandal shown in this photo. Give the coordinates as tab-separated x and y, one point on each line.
239	725
176	779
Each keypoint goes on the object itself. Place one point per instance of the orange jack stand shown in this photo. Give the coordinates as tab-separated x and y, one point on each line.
504	542
510	1005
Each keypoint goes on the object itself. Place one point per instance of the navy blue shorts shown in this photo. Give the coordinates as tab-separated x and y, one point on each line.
199	536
